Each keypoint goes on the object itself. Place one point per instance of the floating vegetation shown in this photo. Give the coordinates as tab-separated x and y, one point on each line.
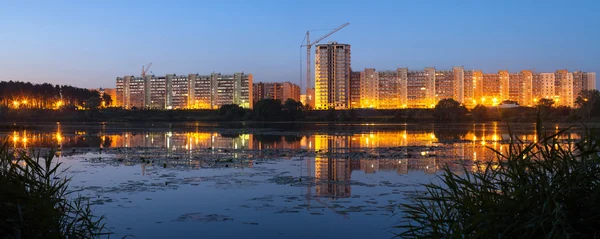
200	217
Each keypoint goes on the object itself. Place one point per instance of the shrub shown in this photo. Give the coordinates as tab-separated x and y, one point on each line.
545	189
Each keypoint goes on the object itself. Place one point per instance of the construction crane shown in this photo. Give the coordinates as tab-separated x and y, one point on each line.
309	45
145	70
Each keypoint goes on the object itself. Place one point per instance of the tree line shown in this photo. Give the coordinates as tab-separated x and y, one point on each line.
265	110
587	106
18	94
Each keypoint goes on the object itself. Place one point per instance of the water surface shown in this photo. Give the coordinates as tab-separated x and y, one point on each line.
316	180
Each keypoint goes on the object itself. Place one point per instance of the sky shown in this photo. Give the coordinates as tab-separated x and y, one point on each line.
90	43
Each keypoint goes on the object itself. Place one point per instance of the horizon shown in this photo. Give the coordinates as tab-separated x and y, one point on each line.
92	43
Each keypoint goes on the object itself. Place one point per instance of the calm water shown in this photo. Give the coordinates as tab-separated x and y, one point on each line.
193	180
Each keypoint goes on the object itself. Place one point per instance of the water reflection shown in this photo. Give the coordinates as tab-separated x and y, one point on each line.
437	143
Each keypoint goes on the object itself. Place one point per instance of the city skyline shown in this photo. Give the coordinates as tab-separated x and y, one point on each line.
86	45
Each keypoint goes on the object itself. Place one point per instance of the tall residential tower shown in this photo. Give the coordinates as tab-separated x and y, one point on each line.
332	76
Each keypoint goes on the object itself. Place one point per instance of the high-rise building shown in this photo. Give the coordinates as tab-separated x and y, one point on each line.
504	85
519	87
543	86
130	92
492	90
420	88
389	90
369	88
459	83
583	81
563	88
444	85
403	87
478	87
332	76
180	92
526	86
469	84
589	81
355	89
201	94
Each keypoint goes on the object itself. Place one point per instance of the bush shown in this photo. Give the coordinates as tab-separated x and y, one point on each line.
480	113
232	112
545	189
34	200
268	110
293	110
449	110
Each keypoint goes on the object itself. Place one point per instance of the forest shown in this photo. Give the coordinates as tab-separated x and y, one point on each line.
16	94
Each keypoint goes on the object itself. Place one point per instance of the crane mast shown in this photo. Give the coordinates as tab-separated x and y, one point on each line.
308	46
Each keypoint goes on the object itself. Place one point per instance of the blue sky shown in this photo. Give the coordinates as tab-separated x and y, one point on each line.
90	43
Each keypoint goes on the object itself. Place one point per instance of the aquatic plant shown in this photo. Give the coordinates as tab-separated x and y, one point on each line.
545	189
35	201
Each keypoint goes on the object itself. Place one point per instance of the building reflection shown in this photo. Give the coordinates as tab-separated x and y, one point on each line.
434	146
331	171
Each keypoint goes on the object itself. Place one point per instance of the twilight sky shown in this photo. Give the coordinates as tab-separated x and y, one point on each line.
89	43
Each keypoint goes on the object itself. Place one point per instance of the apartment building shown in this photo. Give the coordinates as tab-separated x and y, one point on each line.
275	90
355	89
389	90
332	76
563	88
191	91
369	88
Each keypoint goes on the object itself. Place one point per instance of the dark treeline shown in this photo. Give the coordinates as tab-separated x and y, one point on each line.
587	108
17	94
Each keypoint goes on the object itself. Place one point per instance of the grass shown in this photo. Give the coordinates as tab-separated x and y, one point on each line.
545	189
35	201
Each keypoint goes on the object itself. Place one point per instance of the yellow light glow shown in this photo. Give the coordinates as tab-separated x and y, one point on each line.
24	101
16	103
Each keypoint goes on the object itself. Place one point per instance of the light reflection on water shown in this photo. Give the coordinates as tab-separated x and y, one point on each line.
458	142
329	186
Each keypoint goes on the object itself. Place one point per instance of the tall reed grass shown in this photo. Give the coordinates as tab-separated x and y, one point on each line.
35	201
544	189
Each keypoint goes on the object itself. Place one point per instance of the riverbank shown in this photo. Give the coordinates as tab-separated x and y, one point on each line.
513	115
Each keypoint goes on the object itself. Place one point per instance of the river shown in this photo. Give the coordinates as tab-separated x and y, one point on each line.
191	180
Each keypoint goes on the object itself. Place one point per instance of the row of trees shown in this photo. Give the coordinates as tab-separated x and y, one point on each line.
46	96
265	110
587	107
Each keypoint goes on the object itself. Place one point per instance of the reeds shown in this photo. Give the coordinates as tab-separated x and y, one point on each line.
545	189
35	201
